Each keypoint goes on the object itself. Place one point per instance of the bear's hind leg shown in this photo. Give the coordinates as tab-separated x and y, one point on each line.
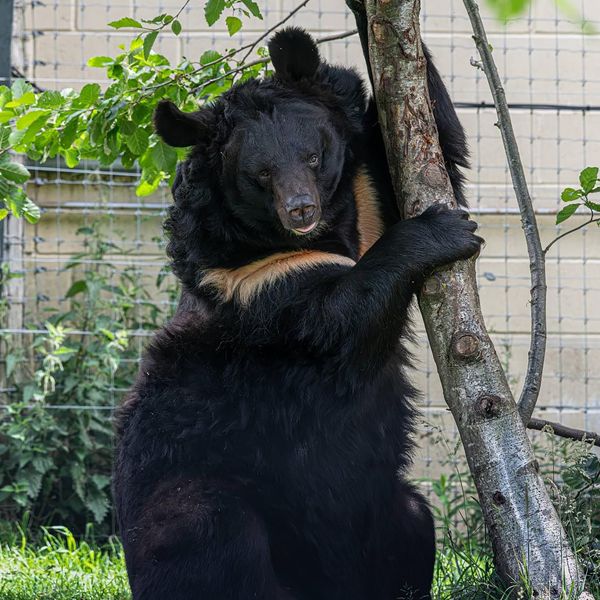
414	526
198	540
403	560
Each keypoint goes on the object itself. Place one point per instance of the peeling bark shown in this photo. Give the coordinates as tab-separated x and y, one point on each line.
526	533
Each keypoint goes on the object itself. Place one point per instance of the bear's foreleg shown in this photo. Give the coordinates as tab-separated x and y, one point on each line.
359	314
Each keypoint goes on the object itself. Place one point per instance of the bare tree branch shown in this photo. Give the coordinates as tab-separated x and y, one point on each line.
564	431
537	265
525	530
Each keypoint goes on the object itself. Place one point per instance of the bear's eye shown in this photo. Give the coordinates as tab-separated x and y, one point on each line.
313	161
264	174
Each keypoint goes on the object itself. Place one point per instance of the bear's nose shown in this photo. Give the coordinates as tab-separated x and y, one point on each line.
301	209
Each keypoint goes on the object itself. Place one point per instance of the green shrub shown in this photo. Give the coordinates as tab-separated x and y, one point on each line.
56	432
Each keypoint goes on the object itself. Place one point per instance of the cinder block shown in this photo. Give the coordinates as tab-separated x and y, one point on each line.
450	16
61	58
130	232
549	18
320	15
347	51
96	14
48	281
49	16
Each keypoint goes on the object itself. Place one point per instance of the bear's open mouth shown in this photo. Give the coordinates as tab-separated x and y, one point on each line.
305	230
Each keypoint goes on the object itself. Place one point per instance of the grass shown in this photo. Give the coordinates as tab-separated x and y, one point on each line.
59	567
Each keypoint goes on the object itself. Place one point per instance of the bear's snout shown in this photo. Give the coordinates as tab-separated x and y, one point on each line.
301	211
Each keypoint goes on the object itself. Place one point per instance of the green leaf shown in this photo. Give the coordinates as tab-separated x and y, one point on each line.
14	172
570	194
566	212
253	8
77	288
21	206
125	22
588	178
25	100
213	10
98	505
100	61
42	463
137	142
100	481
5	187
233	25
4	137
506	9
149	42
28	118
164	157
176	27
6	116
31	211
156	20
28	141
15	137
12	360
88	95
20	88
50	99
145	188
593	205
71	157
69	133
210	56
3	213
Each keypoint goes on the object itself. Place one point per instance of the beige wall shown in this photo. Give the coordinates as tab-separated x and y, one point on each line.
544	59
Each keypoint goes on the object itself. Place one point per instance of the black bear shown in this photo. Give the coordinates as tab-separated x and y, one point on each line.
262	450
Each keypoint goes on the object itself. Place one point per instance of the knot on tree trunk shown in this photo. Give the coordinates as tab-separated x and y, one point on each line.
466	345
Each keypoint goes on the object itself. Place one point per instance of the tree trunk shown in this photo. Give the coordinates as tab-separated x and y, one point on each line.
528	539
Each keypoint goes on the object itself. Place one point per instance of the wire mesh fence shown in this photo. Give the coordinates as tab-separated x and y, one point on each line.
552	76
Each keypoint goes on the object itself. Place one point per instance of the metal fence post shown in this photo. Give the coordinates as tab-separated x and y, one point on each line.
6	24
11	229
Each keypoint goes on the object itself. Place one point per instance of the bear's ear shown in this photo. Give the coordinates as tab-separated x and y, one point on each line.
294	54
181	129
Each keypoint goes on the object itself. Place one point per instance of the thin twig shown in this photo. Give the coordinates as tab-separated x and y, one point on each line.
271	29
564	431
264	61
337	36
251	45
258	61
537	265
591	220
16	74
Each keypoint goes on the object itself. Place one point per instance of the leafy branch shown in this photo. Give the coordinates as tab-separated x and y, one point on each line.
115	124
577	198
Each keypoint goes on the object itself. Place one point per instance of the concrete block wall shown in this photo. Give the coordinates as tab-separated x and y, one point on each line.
544	60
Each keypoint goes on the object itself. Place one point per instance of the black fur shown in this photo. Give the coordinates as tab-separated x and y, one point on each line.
263	448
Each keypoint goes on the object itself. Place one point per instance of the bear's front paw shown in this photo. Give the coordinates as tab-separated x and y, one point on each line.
452	234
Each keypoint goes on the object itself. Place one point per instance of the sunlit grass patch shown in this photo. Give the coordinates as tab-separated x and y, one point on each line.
59	567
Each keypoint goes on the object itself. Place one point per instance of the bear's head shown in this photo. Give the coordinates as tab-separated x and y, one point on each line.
268	156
